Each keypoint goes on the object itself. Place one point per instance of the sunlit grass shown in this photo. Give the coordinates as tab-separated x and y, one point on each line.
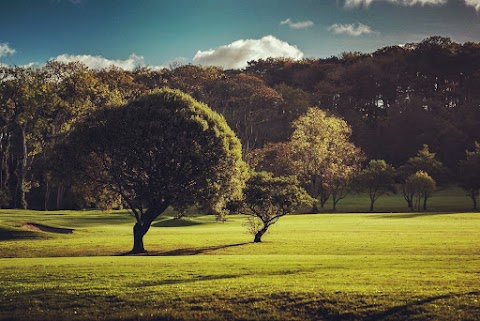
385	266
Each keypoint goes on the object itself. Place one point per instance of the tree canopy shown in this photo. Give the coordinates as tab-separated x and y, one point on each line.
268	198
163	149
324	157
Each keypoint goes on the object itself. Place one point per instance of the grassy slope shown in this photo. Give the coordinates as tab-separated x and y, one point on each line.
332	266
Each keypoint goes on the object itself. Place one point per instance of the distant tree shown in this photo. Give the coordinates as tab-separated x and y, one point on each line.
275	158
268	198
251	108
340	169
164	149
469	174
426	162
421	186
25	98
377	179
323	155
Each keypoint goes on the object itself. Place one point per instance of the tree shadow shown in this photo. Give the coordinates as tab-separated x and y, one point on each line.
406	311
186	251
196	251
199	278
410	215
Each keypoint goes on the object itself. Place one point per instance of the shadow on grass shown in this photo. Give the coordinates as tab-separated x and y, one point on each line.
182	281
186	251
411	215
416	308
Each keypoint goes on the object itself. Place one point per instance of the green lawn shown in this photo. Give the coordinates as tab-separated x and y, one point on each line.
401	266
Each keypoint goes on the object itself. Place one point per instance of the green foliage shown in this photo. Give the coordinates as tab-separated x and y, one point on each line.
469	174
164	149
377	179
424	161
268	198
324	157
275	158
420	186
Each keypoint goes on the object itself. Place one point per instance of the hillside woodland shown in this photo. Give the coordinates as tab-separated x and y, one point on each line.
393	103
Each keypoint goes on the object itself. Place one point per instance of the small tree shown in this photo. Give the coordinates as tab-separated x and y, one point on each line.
424	161
469	174
376	179
421	185
268	198
339	172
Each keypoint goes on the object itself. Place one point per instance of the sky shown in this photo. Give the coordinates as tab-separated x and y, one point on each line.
226	33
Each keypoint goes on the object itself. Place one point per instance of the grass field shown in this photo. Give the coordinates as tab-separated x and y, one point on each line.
390	266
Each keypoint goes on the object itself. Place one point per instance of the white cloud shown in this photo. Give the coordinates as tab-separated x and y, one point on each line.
99	62
238	53
473	3
350	29
297	25
6	50
409	3
357	3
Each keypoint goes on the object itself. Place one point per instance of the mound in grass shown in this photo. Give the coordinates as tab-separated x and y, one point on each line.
46	228
7	233
175	223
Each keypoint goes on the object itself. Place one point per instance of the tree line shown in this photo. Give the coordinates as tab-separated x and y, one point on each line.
383	106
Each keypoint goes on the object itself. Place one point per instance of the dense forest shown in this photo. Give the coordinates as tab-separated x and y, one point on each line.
395	100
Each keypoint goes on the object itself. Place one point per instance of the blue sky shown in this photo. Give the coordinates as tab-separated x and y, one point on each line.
129	33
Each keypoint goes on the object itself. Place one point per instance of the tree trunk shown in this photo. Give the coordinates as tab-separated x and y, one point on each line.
474	200
60	193
372	202
425	198
334	202
22	171
143	224
314	209
139	231
47	195
323	199
258	236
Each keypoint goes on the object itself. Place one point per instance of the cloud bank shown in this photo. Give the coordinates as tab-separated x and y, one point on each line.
6	50
297	25
238	53
473	3
100	62
409	3
351	29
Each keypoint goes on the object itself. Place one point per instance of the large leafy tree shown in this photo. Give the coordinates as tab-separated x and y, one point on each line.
469	174
323	154
268	198
164	149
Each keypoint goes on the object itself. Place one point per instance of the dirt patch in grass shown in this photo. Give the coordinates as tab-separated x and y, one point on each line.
45	228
